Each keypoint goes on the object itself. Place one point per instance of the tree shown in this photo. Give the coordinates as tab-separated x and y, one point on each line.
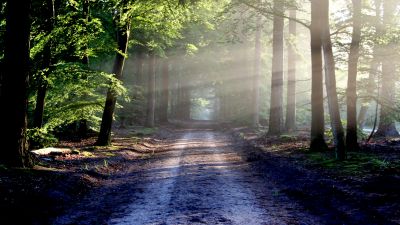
351	135
164	92
151	92
373	67
83	124
317	99
49	13
257	74
13	96
387	126
276	111
123	30
330	82
290	124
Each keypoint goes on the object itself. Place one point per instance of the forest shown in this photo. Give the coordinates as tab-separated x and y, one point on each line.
199	112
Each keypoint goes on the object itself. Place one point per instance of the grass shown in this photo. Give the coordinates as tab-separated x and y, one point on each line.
357	162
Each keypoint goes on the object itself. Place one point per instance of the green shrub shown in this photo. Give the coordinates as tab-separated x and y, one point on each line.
40	138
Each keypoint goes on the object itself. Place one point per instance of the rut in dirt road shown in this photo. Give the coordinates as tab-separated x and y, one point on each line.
203	179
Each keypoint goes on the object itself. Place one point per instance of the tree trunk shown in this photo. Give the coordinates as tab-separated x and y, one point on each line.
139	69
42	89
151	92
317	96
185	100
257	75
291	86
330	81
387	126
374	67
371	86
351	135
276	112
109	108
184	95
15	75
164	92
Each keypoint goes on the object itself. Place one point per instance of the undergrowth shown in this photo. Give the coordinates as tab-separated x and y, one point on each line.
356	163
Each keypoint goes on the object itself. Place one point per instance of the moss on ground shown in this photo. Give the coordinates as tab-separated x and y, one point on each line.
356	163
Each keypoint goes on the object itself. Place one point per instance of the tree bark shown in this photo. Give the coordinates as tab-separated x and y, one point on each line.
15	75
317	98
351	135
291	86
276	111
164	92
151	92
184	95
257	75
42	89
139	69
330	82
374	67
185	104
387	126
109	108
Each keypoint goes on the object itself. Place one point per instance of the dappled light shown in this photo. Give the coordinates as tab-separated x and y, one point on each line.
199	112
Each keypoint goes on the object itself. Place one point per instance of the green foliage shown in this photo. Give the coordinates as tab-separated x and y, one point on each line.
357	163
77	93
40	138
73	38
133	108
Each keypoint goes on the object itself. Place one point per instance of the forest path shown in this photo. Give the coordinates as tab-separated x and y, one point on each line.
203	178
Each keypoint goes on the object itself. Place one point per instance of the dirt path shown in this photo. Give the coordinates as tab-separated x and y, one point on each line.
201	179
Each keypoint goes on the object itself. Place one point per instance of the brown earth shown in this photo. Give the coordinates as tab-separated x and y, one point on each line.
198	176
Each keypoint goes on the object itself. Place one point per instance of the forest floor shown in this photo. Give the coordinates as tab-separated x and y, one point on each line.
178	175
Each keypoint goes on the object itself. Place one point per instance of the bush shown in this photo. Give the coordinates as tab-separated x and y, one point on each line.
40	138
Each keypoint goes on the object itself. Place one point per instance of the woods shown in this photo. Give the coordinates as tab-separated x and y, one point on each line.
96	29
261	103
178	94
14	85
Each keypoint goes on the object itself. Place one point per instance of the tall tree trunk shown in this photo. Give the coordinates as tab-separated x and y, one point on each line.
330	81
317	96
184	95
174	97
374	67
164	92
139	69
185	100
371	87
109	108
276	111
179	94
291	86
387	126
42	89
351	135
257	75
151	92
15	75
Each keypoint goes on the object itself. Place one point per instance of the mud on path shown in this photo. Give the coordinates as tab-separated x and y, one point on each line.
201	178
